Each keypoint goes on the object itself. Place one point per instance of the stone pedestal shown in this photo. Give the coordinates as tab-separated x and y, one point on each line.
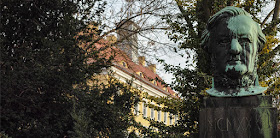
238	117
278	130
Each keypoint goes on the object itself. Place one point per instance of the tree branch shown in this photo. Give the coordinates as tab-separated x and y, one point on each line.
117	27
266	18
276	14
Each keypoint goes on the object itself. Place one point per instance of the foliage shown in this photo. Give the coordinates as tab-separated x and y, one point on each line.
192	81
104	110
44	75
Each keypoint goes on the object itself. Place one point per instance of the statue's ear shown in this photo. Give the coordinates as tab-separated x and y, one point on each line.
261	42
205	39
261	38
207	47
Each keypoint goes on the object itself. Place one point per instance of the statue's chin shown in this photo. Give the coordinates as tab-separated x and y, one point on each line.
236	71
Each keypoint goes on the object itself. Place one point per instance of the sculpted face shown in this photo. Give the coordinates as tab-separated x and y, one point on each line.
233	39
234	46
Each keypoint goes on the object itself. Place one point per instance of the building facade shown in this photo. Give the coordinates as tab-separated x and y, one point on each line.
128	66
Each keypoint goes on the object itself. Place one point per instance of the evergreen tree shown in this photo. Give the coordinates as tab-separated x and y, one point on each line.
44	72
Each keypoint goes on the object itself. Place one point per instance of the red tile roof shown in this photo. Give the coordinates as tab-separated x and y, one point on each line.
132	68
148	74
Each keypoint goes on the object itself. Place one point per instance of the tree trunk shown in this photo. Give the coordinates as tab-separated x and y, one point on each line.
276	14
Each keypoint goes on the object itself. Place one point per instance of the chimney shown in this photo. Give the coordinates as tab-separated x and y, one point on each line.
153	67
141	60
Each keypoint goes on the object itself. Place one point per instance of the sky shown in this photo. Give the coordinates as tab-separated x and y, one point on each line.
163	49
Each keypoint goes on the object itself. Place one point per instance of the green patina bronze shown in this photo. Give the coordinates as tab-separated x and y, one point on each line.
265	114
233	40
266	122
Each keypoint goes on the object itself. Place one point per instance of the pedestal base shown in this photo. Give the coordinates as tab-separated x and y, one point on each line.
238	117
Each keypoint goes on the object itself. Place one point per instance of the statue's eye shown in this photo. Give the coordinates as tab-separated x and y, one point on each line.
224	41
245	40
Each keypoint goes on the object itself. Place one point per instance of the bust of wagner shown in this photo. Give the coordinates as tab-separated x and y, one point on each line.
233	40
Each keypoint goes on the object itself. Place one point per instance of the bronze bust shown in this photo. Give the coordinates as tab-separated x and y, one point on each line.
233	39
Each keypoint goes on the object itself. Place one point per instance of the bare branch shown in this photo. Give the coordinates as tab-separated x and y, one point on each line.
276	13
266	18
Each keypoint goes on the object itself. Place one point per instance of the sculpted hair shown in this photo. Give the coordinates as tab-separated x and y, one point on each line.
225	13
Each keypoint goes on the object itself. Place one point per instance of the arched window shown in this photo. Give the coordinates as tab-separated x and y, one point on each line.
165	117
152	113
141	74
170	119
123	64
144	110
159	117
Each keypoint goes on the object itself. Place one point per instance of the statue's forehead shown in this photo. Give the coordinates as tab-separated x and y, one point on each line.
241	25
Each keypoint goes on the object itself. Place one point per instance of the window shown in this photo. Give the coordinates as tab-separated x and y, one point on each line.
144	110
123	64
140	74
158	116
170	119
165	118
153	82
152	113
136	109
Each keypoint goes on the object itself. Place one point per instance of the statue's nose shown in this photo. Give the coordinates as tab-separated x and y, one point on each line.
235	47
